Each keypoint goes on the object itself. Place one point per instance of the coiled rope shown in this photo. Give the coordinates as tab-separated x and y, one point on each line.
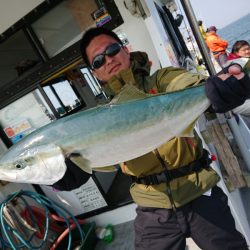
13	238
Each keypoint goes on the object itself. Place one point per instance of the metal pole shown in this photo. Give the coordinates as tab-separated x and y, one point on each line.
197	34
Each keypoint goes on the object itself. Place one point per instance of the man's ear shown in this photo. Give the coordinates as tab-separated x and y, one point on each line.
126	49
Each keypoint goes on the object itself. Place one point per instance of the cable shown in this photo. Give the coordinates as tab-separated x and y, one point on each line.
11	235
62	236
39	216
186	27
36	216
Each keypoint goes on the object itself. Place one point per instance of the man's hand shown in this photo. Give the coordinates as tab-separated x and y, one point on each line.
73	178
228	89
234	70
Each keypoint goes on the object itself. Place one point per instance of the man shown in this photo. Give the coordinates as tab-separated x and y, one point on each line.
184	203
217	46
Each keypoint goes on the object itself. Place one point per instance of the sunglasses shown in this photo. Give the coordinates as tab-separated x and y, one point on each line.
110	51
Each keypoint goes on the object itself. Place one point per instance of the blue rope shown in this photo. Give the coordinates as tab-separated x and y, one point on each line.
7	233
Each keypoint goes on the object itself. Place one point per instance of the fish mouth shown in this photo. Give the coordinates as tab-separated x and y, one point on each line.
10	176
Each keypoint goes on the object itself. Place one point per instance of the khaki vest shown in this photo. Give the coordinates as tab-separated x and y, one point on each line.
175	153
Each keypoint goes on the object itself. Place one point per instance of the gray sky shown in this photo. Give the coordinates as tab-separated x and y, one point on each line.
220	12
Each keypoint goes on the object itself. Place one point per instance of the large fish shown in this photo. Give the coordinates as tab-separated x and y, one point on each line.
103	136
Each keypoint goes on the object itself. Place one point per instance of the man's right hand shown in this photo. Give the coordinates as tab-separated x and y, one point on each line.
228	89
232	70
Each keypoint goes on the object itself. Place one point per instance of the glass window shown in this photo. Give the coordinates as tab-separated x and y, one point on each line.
17	56
25	115
66	93
92	82
54	100
64	24
62	96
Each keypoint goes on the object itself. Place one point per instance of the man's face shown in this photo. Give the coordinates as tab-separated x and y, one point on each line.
112	65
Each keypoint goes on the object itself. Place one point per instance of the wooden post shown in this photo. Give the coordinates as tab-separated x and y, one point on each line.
227	157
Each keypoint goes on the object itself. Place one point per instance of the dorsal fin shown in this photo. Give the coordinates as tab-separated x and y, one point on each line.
129	92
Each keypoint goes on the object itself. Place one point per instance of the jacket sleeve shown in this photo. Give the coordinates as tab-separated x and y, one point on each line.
221	43
73	178
223	95
215	43
171	79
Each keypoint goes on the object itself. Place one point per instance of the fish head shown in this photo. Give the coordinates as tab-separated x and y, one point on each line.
38	165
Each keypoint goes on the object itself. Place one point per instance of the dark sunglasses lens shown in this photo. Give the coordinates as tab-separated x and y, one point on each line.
98	61
113	49
110	51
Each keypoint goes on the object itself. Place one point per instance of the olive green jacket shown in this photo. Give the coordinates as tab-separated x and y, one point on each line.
177	152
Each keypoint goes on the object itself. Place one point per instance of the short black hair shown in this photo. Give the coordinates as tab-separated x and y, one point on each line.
89	35
238	45
199	22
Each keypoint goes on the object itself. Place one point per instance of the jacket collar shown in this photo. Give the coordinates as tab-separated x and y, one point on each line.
137	72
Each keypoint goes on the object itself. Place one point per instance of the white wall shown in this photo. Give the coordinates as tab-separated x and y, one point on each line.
159	36
3	148
13	10
138	35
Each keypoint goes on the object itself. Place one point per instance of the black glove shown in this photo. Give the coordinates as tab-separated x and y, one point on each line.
73	178
228	94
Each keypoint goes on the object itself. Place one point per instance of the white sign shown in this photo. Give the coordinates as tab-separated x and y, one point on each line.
79	201
90	196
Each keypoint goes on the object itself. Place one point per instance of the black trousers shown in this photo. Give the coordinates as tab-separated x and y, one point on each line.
207	220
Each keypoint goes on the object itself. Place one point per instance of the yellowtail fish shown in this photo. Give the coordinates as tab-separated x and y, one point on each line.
132	125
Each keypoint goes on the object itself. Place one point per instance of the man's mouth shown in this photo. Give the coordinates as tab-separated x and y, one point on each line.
114	69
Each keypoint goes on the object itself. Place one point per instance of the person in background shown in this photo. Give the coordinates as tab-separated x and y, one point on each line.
204	35
172	204
240	54
202	30
217	46
240	49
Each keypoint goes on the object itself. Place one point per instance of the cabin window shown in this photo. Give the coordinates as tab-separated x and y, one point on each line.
63	25
17	56
92	81
62	96
25	115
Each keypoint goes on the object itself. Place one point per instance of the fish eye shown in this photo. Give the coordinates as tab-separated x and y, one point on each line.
19	165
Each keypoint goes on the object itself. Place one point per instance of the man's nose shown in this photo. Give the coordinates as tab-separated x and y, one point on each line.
108	59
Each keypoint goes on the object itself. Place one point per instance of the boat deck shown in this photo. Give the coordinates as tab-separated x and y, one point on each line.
124	239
